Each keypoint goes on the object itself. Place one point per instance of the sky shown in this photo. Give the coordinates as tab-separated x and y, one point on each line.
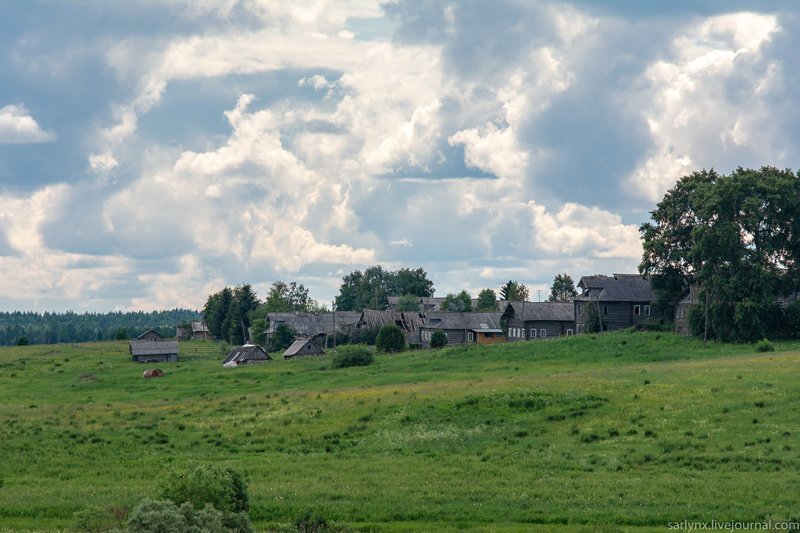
153	152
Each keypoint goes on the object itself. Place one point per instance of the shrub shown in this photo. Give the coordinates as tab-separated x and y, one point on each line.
390	339
438	339
93	518
311	523
156	516
765	346
209	484
352	355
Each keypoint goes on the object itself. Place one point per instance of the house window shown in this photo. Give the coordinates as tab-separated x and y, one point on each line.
569	333
646	310
579	327
542	333
637	310
605	309
469	336
533	333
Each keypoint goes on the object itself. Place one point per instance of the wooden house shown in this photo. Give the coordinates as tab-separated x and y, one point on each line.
621	301
302	347
149	351
462	328
200	330
409	322
249	354
538	320
150	335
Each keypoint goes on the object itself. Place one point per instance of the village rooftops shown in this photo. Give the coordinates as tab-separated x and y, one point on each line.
616	288
487	322
542	311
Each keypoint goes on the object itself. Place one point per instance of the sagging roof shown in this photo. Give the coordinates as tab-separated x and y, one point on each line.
248	352
542	311
199	327
153	347
616	288
407	321
312	324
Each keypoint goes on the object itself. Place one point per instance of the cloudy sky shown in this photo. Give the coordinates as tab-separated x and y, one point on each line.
152	152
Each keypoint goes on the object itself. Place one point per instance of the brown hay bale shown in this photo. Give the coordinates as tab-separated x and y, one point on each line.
153	373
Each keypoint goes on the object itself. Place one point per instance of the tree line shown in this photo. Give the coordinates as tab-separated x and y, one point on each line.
50	328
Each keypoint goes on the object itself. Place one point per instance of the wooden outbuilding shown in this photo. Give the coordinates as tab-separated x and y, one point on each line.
302	347
146	351
248	354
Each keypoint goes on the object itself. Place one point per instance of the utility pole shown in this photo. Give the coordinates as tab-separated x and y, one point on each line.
333	310
539	292
705	330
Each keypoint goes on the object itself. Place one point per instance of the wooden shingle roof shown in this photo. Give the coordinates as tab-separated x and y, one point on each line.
153	347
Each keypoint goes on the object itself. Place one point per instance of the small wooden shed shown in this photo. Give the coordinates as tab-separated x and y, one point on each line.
302	347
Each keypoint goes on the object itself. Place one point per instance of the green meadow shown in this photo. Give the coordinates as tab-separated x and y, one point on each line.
622	431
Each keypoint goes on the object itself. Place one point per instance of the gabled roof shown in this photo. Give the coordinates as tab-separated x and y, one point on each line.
150	332
199	327
248	352
154	347
468	321
312	324
303	347
616	288
541	311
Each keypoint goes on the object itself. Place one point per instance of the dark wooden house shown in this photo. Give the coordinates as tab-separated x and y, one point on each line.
149	351
302	347
538	320
249	354
150	335
621	301
462	328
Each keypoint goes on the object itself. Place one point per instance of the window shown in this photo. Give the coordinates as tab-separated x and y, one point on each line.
533	333
646	310
542	333
579	327
637	310
469	336
569	333
605	309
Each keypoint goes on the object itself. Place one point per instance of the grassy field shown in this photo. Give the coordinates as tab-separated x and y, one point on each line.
624	431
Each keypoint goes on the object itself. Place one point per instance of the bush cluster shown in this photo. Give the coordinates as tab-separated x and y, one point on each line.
390	339
438	339
352	355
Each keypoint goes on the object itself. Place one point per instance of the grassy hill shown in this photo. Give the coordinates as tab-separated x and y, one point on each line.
626	429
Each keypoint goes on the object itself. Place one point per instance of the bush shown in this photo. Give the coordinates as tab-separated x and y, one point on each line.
156	516
352	355
438	339
209	484
765	346
311	523
93	519
390	339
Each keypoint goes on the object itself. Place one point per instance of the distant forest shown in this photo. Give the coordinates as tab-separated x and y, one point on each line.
50	328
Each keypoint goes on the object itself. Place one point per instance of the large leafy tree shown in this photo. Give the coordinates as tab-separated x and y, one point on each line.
461	302
562	289
737	236
284	297
369	289
487	300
